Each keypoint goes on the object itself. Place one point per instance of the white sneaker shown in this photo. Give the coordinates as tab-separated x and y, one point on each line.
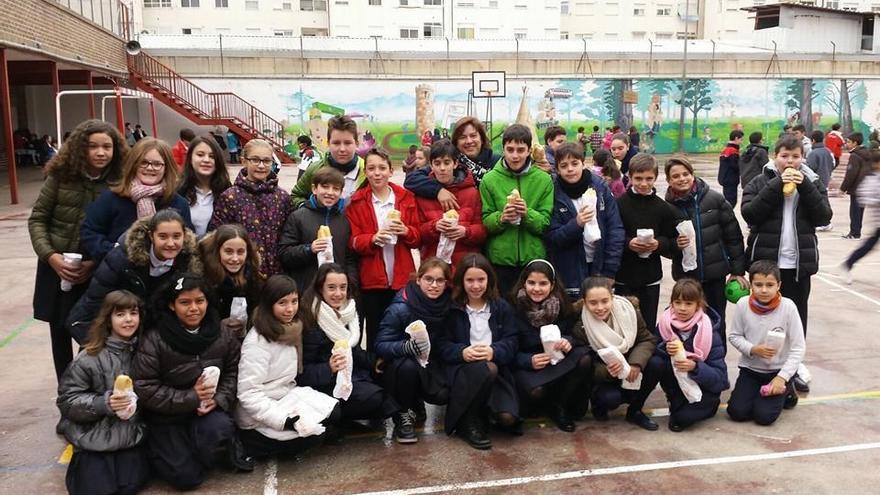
846	274
825	228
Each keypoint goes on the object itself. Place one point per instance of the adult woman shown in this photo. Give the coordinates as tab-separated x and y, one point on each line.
204	178
622	151
88	161
719	240
257	203
148	184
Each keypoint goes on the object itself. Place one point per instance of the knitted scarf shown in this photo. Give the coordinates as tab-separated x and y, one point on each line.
762	309
668	325
293	333
191	344
539	314
479	166
430	311
145	197
619	331
343	167
576	190
342	324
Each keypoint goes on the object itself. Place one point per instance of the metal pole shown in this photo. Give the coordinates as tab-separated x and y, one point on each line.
651	58
222	72
153	119
517	57
833	57
302	63
6	99
447	58
91	86
120	119
687	12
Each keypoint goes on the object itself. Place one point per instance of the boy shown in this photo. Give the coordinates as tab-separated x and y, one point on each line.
728	167
800	132
869	197
342	142
410	158
834	142
307	155
753	160
821	161
640	271
516	221
299	244
554	137
178	151
768	362
858	167
595	139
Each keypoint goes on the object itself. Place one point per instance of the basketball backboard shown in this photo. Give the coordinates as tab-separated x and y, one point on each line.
489	84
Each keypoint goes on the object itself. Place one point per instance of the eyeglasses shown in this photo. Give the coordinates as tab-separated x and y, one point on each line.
434	281
155	165
255	160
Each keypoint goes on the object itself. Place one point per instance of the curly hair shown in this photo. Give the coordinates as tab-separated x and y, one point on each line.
73	157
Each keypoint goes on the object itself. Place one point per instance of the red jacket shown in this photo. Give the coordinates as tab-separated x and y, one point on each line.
178	151
364	226
470	216
834	143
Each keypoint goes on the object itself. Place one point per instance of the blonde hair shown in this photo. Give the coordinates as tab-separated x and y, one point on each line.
133	160
255	143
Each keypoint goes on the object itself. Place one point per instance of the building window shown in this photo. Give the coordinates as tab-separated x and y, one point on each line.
314	32
664	36
404	3
493	4
312	5
187	31
466	33
341	2
252	30
221	4
551	33
465	3
375	2
157	3
563	7
520	6
831	4
664	11
852	7
520	33
432	29
638	35
434	2
638	12
189	3
283	32
563	35
586	36
252	5
409	33
680	35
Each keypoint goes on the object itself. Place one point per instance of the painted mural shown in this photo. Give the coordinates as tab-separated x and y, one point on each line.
395	114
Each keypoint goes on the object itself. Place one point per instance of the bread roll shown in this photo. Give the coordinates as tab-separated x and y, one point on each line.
513	196
393	215
323	232
789	188
122	385
450	214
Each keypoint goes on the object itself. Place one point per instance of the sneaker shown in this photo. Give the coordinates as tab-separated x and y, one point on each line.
405	427
421	414
475	436
639	419
825	228
791	399
851	236
673	426
238	460
559	416
800	385
846	273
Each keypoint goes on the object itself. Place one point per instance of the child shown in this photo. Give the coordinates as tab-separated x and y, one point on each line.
834	142
307	155
605	167
381	238
187	416
180	148
689	322
468	234
586	235
342	141
728	166
611	321
754	159
622	152
640	208
299	247
204	178
410	158
869	196
767	363
478	347
276	415
102	424
517	203
411	373
554	137
858	167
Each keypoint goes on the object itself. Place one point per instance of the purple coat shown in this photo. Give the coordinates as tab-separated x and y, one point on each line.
262	208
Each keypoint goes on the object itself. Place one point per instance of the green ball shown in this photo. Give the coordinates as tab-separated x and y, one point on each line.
734	291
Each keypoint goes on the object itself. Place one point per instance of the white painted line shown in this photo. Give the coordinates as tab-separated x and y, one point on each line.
270	486
637	468
847	289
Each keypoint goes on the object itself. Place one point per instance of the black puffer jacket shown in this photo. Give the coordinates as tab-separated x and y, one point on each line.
751	162
720	250
762	209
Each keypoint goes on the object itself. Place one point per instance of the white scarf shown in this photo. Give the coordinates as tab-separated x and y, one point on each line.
622	333
343	324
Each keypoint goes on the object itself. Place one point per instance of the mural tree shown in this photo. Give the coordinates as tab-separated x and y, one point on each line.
801	93
593	103
578	97
612	99
859	98
695	96
298	106
839	99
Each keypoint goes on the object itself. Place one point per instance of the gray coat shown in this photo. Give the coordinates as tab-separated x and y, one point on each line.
83	398
821	161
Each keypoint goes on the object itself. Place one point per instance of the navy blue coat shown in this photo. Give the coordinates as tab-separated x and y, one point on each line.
111	215
711	374
392	336
565	241
424	186
530	339
505	338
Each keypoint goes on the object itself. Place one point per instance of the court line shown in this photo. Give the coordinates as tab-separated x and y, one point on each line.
16	332
635	468
847	289
270	486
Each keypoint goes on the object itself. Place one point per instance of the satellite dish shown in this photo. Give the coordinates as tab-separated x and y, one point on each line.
133	47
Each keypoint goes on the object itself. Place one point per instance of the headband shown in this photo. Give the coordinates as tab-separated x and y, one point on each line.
541	260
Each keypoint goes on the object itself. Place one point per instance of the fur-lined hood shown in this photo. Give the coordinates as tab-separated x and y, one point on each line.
137	246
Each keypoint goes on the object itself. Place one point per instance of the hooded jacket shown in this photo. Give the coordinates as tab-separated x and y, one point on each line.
303	188
728	165
751	162
857	169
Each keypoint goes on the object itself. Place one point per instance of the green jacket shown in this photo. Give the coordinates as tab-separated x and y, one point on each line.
58	212
516	245
303	188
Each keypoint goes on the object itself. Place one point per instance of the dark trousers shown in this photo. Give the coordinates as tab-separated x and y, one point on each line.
714	292
746	402
856	212
682	412
507	277
649	298
62	347
610	395
730	194
865	248
411	385
121	472
798	291
260	446
374	302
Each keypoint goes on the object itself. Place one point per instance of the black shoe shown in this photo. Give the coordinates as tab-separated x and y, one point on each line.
515	429
474	435
405	428
791	399
237	458
851	236
600	413
673	426
421	415
562	420
800	385
639	419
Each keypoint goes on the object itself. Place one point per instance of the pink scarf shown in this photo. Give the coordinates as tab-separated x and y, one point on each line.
145	197
702	336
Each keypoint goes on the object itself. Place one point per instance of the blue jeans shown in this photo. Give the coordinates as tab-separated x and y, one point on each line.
855	216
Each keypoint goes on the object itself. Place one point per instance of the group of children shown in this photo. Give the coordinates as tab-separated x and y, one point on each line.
559	315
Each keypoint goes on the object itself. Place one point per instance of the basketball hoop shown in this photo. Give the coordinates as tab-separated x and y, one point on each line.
489	85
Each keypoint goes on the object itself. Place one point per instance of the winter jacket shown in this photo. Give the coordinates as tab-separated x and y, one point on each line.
128	267
425	186
565	239
301	228
834	142
821	161
720	249
751	162
711	373
858	167
529	339
391	337
164	376
470	216
262	208
457	334
317	348
364	225
868	195
762	209
728	165
84	400
178	151
516	245
303	188
227	290
645	212
111	215
624	164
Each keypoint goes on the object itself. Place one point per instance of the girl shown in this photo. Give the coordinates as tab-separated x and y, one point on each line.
106	437
719	240
479	346
232	268
257	203
607	320
540	301
622	152
689	321
89	160
577	254
188	418
204	178
330	315
155	250
605	167
410	383
275	414
382	244
148	184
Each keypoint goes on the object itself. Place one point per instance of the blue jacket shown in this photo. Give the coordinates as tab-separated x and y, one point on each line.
711	374
425	186
530	339
111	215
505	339
565	241
392	335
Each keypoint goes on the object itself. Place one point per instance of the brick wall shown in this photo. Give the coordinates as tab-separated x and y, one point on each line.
61	34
